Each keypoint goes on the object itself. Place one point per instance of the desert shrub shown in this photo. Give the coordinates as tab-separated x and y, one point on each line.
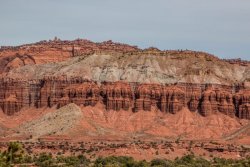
160	163
3	162
13	155
121	161
14	152
27	159
230	162
83	160
142	164
44	160
192	161
78	161
72	161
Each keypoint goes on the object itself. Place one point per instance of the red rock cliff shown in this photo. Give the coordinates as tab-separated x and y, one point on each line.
48	92
108	61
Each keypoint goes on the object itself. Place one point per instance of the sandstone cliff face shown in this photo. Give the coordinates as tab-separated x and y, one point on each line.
12	96
214	101
147	95
242	103
122	77
172	99
117	96
48	92
62	92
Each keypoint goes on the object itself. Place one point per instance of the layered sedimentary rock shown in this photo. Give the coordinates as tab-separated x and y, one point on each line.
147	95
13	95
206	99
55	51
117	95
121	77
47	92
172	99
242	104
214	101
109	61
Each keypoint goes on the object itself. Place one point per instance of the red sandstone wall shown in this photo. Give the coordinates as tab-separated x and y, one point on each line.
117	96
242	104
48	92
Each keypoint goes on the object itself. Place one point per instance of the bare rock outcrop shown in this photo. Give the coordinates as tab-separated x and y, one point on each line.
63	92
172	99
214	101
147	95
110	61
117	95
55	122
206	99
242	103
56	50
122	77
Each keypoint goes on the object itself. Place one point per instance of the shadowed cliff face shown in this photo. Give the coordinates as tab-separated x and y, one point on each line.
122	77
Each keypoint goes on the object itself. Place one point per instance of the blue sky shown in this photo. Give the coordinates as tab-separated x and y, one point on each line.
220	27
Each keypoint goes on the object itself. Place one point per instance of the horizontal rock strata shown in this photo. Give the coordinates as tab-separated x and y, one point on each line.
206	99
121	77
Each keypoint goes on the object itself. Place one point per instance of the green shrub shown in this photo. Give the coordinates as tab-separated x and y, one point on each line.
192	161
121	161
44	160
160	163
